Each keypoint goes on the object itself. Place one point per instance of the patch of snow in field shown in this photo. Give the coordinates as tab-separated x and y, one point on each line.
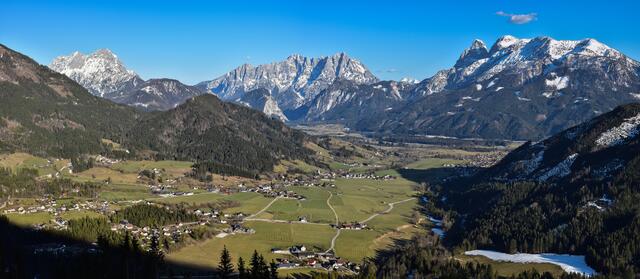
499	88
562	169
568	263
617	135
478	87
524	99
491	83
635	95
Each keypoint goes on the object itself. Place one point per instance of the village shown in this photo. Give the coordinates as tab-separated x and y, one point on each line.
298	256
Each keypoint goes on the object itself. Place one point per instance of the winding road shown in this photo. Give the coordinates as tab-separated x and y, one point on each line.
333	240
252	217
338	230
386	211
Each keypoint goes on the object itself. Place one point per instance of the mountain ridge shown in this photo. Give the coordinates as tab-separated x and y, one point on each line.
291	82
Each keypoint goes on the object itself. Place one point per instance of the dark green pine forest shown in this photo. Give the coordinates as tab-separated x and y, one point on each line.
591	210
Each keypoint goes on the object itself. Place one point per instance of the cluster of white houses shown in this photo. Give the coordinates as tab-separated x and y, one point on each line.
299	256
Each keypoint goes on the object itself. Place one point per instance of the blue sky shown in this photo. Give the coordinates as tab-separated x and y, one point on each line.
199	40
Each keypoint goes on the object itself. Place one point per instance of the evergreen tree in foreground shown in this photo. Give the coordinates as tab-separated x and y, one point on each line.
242	272
273	274
225	268
255	265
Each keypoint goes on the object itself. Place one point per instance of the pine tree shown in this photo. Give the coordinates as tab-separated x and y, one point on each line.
225	268
264	268
242	272
273	268
157	257
255	265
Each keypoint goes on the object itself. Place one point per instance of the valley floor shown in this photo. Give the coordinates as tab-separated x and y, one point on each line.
361	206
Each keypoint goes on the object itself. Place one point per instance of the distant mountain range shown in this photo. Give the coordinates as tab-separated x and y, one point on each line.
46	113
104	75
293	82
517	89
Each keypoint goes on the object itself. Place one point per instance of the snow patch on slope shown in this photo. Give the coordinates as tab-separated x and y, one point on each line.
557	83
617	135
562	169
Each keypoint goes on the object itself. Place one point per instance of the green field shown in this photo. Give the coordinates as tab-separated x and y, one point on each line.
121	192
249	202
30	218
267	236
432	163
399	216
173	168
314	207
357	199
17	161
354	200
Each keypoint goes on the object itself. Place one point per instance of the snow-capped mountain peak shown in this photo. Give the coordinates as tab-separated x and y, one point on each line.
292	82
477	50
504	42
101	72
522	60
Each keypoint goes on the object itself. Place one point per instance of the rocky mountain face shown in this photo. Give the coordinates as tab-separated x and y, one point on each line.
260	99
104	75
101	72
291	83
345	101
518	89
157	94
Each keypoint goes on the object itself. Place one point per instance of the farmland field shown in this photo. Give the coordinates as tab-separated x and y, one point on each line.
267	236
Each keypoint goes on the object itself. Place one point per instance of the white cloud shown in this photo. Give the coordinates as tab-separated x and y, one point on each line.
519	18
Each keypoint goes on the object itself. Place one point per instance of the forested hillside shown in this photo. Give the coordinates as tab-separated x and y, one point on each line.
205	129
574	193
46	113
